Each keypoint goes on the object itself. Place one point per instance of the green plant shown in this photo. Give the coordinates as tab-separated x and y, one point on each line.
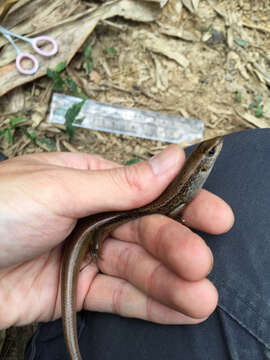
239	97
8	131
64	84
258	106
71	117
132	161
88	58
111	50
69	86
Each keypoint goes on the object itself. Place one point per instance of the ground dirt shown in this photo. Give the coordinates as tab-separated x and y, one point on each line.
222	78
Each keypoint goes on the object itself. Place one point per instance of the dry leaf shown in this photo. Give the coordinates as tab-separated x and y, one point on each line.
162	2
192	5
70	35
195	4
162	81
16	102
169	48
218	10
258	122
5	6
180	33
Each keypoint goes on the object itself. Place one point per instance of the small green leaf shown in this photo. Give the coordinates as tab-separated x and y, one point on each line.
71	115
239	97
47	144
31	135
7	134
132	161
241	43
52	74
58	85
256	103
72	85
74	111
89	67
15	121
69	129
87	51
111	50
259	111
61	66
58	81
252	105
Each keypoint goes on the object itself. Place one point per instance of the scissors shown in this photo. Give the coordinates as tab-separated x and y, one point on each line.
34	42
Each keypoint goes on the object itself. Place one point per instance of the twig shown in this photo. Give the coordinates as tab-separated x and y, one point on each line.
69	147
112	24
256	27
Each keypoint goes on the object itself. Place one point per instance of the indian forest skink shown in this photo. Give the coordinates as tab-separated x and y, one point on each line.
90	232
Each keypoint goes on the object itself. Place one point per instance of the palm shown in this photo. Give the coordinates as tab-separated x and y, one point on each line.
46	193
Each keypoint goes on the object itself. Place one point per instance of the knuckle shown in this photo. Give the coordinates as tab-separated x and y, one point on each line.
160	244
131	182
149	305
125	261
132	177
151	279
117	297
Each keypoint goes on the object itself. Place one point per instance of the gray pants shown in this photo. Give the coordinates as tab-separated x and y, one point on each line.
240	326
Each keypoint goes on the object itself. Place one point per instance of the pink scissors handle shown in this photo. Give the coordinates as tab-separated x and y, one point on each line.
38	39
22	56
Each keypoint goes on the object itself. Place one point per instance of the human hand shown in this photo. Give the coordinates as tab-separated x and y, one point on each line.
42	195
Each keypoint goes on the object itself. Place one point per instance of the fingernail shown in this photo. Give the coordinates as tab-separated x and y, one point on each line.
164	160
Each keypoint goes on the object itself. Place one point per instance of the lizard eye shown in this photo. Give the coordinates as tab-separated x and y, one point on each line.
212	151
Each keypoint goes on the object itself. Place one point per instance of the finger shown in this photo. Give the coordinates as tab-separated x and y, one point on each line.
129	187
209	213
173	244
80	161
120	188
114	295
131	262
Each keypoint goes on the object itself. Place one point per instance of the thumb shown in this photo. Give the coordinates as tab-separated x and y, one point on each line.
125	187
